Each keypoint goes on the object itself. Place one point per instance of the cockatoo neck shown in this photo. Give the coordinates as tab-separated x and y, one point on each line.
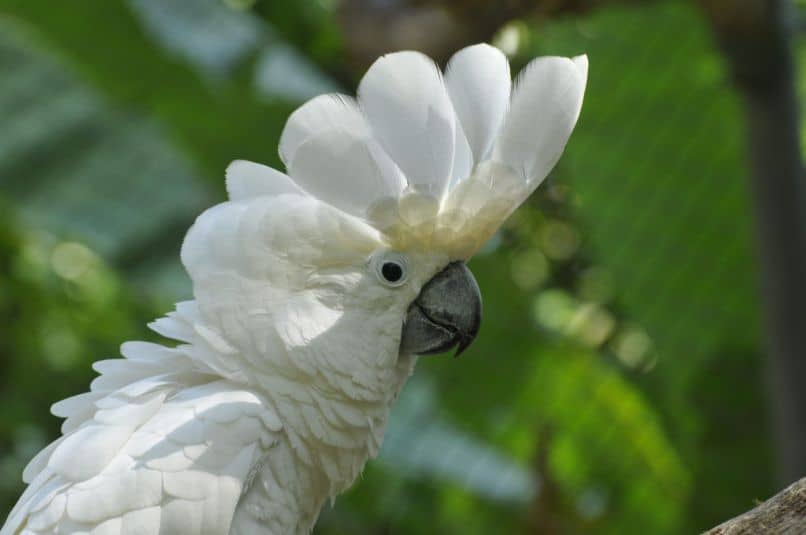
331	388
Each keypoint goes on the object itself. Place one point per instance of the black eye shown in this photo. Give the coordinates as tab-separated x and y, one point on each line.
392	271
391	268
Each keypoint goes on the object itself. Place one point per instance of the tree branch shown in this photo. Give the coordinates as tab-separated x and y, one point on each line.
784	513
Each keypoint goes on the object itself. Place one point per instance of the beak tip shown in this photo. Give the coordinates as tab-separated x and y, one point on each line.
463	344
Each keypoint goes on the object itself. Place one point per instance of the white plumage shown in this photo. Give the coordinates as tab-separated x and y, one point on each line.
345	158
321	114
246	180
410	113
475	75
548	92
288	357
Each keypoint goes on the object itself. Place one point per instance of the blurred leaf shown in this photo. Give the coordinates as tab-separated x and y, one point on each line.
215	39
216	123
419	444
205	33
102	169
282	71
657	171
604	439
311	27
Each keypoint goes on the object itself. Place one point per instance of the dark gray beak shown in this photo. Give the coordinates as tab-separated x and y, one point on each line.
447	313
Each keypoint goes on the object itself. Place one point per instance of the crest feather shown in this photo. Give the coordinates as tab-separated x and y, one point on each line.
350	172
411	116
246	180
431	163
545	106
320	114
479	83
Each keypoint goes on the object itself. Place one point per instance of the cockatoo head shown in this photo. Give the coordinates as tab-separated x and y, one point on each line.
356	255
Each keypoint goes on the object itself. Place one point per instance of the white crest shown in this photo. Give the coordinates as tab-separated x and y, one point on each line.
433	163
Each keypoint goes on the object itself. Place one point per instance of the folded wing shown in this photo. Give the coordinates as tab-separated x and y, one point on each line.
151	458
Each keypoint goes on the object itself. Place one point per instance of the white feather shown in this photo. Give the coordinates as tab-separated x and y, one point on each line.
142	442
166	357
49	515
346	171
479	84
69	406
49	489
271	420
75	420
39	462
247	180
408	108
318	115
145	351
113	526
182	516
179	424
135	390
462	158
170	327
104	477
133	413
42	489
142	521
129	371
110	495
167	457
189	484
86	452
209	244
123	373
544	109
226	407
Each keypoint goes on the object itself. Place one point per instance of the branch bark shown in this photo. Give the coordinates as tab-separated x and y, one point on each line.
755	42
783	514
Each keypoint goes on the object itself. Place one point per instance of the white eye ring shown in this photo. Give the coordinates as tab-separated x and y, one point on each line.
391	268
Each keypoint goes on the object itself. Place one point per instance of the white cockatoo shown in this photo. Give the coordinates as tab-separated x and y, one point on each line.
314	292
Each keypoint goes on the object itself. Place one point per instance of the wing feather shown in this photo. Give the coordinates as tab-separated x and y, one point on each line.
169	460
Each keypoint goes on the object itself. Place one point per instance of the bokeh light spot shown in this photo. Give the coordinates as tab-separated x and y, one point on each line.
529	269
632	347
559	240
71	260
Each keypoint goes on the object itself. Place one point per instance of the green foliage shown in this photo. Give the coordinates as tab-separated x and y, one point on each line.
215	123
657	170
641	482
